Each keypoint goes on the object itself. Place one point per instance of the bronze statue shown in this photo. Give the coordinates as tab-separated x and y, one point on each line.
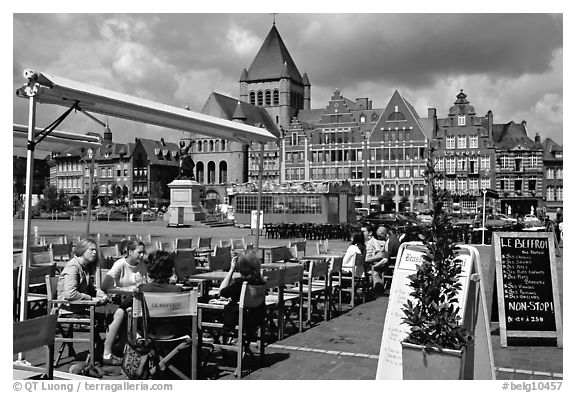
186	163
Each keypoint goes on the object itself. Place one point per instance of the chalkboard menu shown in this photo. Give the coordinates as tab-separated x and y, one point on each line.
528	301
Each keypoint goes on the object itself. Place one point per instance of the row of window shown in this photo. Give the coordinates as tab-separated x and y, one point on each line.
266	98
464	142
289	204
452	164
518	162
210	145
211	172
464	184
515	184
554	173
416	190
554	193
374	154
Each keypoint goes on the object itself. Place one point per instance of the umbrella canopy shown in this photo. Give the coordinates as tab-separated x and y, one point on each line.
52	89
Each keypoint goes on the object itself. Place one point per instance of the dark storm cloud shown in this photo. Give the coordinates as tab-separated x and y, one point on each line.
416	49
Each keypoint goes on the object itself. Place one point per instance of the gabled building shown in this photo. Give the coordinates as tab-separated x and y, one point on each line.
519	169
154	165
465	153
553	176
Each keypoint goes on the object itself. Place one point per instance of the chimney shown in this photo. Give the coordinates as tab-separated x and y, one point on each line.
525	125
490	118
162	141
432	115
537	138
362	103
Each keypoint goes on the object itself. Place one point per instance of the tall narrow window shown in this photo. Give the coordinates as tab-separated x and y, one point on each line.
276	97
461	120
252	98
268	98
260	98
450	139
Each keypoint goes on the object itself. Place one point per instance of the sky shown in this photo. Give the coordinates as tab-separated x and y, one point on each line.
509	63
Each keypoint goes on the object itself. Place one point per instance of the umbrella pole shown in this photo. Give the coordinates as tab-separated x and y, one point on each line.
27	208
90	186
259	200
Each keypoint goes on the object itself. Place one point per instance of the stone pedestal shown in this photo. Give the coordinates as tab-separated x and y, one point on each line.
185	208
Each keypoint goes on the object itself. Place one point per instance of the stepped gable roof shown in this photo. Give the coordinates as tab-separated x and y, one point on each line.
226	107
150	146
511	135
270	60
461	106
549	148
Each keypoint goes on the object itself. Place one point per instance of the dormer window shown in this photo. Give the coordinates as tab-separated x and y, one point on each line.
461	120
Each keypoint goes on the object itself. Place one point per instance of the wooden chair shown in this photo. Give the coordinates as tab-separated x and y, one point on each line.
335	277
357	279
182	243
38	248
223	250
41	257
388	273
292	301
251	296
274	300
109	255
279	254
321	248
61	252
184	264
300	248
204	242
37	299
238	245
67	323
312	290
32	334
225	243
166	246
203	249
146	238
219	262
164	306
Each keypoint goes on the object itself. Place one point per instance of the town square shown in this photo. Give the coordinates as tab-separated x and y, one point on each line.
289	196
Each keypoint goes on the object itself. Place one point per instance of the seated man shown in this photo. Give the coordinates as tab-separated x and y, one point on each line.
390	245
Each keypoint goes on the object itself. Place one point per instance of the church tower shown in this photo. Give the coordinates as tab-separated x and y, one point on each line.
273	81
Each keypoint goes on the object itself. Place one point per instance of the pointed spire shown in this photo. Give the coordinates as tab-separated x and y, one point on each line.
244	76
239	113
305	80
107	132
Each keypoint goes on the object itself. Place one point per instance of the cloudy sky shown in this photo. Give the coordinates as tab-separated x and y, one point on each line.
508	63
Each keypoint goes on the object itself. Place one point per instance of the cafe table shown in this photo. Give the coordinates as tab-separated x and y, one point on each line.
266	251
214	276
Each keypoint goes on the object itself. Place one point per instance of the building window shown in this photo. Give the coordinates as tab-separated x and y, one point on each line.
518	164
268	98
199	146
260	98
505	162
451	185
211	172
473	141
549	173
485	182
374	118
473	184
461	120
533	161
440	164
211	144
461	163
200	172
362	118
560	193
559	173
223	172
450	165
532	184
223	145
252	98
276	98
450	142
462	185
461	141
518	184
485	163
550	193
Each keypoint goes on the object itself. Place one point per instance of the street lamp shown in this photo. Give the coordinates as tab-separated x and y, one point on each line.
484	191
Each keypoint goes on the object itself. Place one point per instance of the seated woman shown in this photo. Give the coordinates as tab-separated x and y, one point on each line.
74	283
128	271
248	265
356	247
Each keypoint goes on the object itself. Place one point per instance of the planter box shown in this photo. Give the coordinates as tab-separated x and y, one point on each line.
434	364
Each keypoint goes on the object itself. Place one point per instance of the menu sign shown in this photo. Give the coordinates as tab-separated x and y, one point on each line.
528	302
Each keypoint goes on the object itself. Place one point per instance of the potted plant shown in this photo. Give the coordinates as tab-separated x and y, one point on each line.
436	331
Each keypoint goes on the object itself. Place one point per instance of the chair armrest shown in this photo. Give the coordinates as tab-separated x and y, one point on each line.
77	302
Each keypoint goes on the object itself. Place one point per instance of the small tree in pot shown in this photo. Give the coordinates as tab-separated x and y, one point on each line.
432	315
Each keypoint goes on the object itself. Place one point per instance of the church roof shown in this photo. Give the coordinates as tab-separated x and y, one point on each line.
273	61
150	147
230	108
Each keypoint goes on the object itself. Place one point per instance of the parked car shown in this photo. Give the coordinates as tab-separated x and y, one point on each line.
504	217
530	217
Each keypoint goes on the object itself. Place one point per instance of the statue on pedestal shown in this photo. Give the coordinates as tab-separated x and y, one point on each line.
186	163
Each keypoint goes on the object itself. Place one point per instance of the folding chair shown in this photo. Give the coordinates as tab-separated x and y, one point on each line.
166	246
252	296
219	262
314	287
279	254
181	243
161	308
32	334
225	243
223	250
109	255
41	257
67	322
388	273
321	248
238	245
38	248
300	247
203	249
292	301
273	281
184	264
357	279
61	252
335	284
37	292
